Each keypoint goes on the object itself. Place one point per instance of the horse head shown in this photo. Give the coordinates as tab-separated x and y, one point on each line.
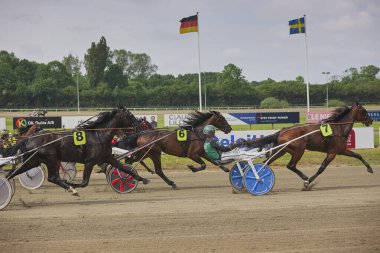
361	114
128	119
220	122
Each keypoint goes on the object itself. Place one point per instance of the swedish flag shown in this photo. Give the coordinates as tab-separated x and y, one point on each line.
297	26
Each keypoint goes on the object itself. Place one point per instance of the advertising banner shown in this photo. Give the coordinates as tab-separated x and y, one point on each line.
277	117
262	118
44	122
315	117
361	137
3	124
242	118
174	119
375	115
70	122
234	136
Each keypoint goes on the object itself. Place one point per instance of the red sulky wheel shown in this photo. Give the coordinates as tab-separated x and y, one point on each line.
121	182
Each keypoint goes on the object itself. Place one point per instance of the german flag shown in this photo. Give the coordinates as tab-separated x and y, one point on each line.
189	24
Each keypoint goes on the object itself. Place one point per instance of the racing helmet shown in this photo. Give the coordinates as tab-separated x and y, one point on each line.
209	130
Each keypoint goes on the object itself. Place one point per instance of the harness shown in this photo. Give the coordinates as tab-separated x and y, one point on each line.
185	145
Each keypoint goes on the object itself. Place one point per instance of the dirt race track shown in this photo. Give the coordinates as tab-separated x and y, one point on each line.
340	214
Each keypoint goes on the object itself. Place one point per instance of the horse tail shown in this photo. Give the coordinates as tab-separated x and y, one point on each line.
261	142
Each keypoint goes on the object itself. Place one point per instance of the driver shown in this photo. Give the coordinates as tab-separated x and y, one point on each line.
213	148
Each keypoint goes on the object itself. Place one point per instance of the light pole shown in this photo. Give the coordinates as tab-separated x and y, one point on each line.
78	91
327	87
117	94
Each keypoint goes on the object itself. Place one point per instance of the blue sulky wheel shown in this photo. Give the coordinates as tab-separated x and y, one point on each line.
6	192
236	178
262	185
121	182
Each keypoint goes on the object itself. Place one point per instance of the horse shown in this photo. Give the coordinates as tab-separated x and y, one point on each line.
341	122
93	146
192	147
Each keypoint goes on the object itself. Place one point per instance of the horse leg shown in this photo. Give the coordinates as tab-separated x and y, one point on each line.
350	153
23	168
86	176
53	176
323	166
156	158
296	156
146	167
196	158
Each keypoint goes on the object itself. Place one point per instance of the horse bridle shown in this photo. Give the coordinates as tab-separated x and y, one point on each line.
225	126
367	119
135	123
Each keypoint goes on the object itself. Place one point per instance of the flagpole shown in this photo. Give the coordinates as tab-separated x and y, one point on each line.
307	69
199	71
205	96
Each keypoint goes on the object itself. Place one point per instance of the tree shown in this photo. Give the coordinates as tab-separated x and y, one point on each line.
352	74
135	66
231	76
114	76
72	64
25	72
96	60
369	72
272	102
300	79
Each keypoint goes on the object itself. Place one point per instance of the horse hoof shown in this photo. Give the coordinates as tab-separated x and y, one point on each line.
370	170
145	181
175	187
74	192
192	168
306	185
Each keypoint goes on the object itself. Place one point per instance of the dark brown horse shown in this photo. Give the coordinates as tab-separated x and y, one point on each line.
341	122
191	148
93	147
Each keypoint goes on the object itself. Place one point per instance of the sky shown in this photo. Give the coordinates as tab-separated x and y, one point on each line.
251	34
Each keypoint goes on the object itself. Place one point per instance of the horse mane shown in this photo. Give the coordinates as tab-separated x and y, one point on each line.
198	117
101	118
338	114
